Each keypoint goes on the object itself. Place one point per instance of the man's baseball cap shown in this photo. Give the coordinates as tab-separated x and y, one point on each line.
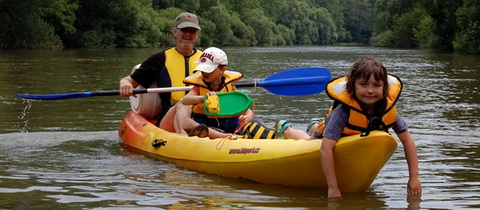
210	59
187	19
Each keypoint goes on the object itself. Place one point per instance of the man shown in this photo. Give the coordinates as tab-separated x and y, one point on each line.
168	68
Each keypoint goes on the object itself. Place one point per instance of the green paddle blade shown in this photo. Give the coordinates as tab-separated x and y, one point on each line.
227	104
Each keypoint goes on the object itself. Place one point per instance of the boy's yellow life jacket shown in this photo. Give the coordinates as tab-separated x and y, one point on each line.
228	78
358	120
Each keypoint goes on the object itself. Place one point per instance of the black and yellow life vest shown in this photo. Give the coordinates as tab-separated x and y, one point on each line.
228	78
177	72
358	120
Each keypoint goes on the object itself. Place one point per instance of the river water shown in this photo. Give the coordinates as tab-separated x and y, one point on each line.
67	154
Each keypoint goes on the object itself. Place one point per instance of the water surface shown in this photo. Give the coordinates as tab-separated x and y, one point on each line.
66	153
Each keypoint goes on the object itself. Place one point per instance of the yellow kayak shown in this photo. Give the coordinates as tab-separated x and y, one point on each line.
280	161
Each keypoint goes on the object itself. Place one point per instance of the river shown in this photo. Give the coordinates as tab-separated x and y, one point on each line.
67	154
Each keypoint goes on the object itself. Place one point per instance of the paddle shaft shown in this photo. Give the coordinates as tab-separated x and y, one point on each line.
273	83
295	82
279	82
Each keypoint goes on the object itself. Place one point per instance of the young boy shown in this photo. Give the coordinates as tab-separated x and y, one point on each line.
214	78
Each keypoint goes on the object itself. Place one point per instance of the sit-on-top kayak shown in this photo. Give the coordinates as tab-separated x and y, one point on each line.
276	161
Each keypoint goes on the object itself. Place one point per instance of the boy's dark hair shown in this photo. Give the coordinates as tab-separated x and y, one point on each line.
362	69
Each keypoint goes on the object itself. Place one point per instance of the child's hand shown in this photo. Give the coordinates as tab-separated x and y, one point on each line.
334	192
211	93
246	117
414	186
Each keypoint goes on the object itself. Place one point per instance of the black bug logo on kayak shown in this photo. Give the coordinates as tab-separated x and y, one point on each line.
122	132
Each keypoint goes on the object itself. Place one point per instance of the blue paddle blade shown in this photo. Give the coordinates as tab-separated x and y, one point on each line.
298	82
55	96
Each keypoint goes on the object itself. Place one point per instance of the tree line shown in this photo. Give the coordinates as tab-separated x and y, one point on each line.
447	25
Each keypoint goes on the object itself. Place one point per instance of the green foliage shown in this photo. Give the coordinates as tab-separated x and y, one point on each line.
336	10
23	26
383	17
311	25
115	23
403	30
164	22
273	9
187	5
144	33
162	4
243	35
327	29
207	33
263	27
444	25
424	32
468	20
222	22
298	19
241	7
384	39
397	24
287	35
61	15
359	19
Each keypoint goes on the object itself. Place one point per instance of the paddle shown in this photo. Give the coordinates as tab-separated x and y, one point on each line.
294	82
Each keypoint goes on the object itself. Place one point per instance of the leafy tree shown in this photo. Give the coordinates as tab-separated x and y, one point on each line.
23	26
207	35
296	16
383	17
144	32
399	6
383	39
327	30
397	24
241	7
468	21
359	19
444	21
243	35
162	4
445	25
274	9
262	25
188	5
403	30
164	22
424	32
97	23
114	23
285	35
61	15
336	9
223	28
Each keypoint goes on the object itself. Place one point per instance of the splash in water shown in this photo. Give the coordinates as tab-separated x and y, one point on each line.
24	115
